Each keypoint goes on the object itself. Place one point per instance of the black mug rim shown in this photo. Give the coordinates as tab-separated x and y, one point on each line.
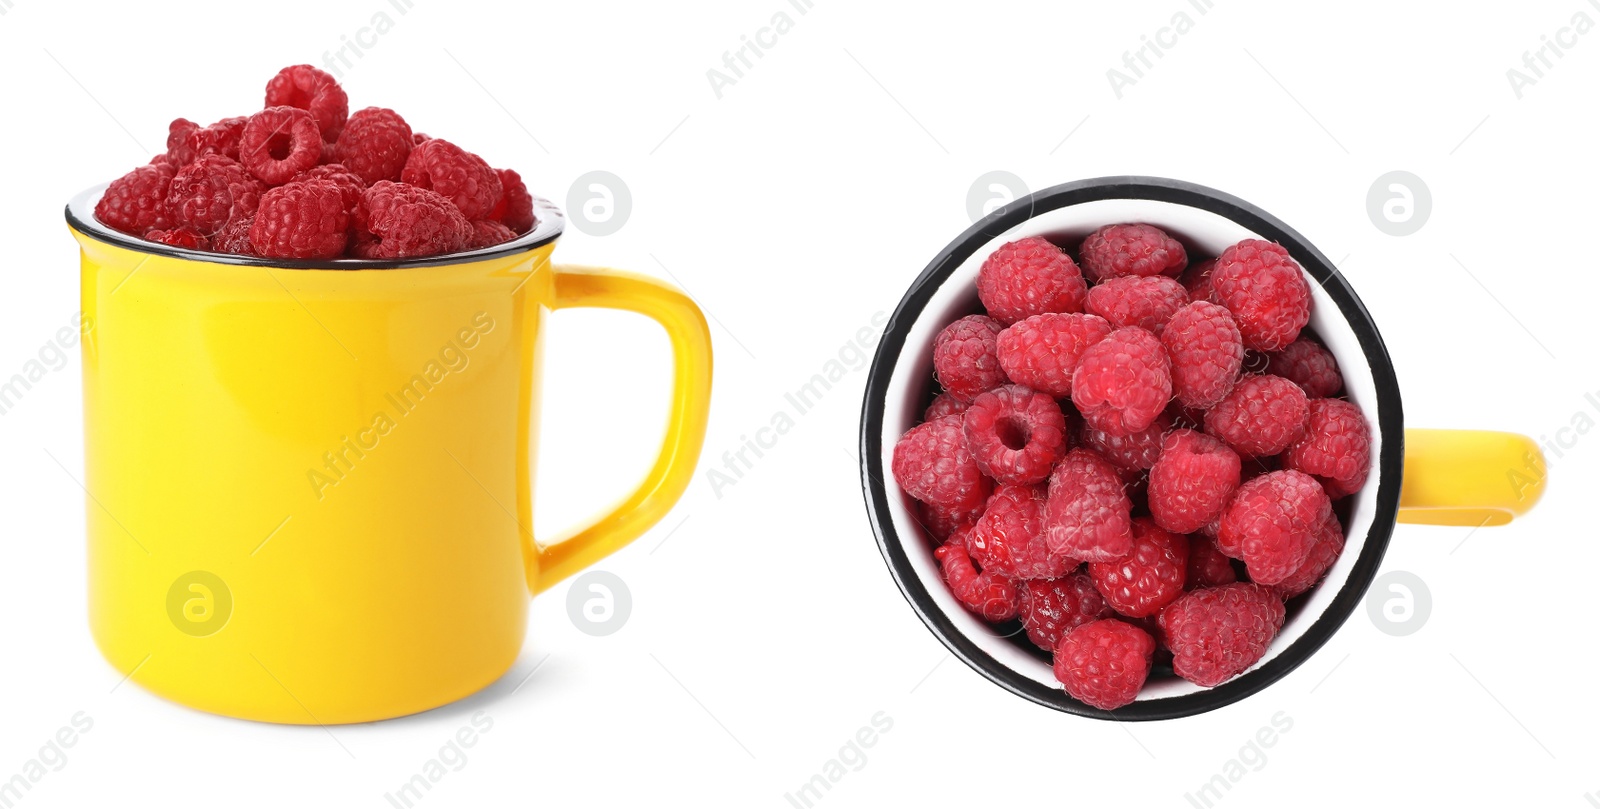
549	225
1389	464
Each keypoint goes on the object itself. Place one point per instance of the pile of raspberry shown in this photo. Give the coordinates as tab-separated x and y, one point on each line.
306	179
1135	456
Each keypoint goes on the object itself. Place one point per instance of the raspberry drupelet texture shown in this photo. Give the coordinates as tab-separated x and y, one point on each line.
280	142
1009	539
1015	434
1325	550
1135	249
1087	513
1043	351
1336	446
220	138
966	357
1104	663
375	144
1192	481
301	221
944	405
1029	277
136	203
991	597
1261	415
234	237
1307	364
1206	351
931	463
941	523
1272	522
1123	382
515	210
1050	608
395	220
1208	566
1149	577
1146	302
1197	280
307	88
179	153
349	183
1135	451
212	191
488	233
1265	290
1216	633
179	237
461	176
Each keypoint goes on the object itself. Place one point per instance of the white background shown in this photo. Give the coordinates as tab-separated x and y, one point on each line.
765	629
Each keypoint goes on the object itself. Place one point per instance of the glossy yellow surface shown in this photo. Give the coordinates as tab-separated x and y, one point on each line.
1469	477
311	491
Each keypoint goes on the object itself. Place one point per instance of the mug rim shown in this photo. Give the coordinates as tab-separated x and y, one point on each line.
549	224
1388	466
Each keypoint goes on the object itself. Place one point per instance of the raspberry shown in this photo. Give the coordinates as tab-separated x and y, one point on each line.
375	144
1217	632
220	138
1009	539
931	463
307	88
1104	663
1123	382
1136	451
1050	608
350	184
1206	351
1029	277
136	203
1118	250
488	233
944	405
395	220
1087	511
1150	577
1015	434
235	236
1208	566
1266	291
1325	551
179	237
942	524
1191	481
965	357
1043	351
459	175
1137	301
1309	365
515	209
1261	416
278	143
989	596
417	138
179	152
211	191
1337	445
1272	522
301	221
1197	280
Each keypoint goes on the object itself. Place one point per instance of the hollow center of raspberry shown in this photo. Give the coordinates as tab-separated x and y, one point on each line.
1013	433
279	146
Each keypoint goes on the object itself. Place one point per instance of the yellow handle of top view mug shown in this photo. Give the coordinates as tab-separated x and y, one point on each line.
1469	477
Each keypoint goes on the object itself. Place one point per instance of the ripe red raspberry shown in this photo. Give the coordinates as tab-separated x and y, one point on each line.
1272	522
1309	365
965	357
1043	351
350	184
220	138
179	153
301	221
1261	416
1009	539
1208	566
1050	608
395	220
1197	280
931	463
1087	511
1016	435
944	405
1135	249
307	88
179	237
1336	447
1192	481
417	138
1137	301
1325	550
991	597
1104	663
212	190
1217	633
1206	352
1029	277
1266	291
235	236
461	176
942	524
1149	577
1135	451
136	203
1123	382
515	210
488	233
375	144
278	143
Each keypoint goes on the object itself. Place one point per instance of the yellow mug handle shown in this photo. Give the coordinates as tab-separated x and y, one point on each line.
1469	477
579	287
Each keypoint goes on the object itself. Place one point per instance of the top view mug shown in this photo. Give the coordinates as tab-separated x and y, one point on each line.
310	484
1436	477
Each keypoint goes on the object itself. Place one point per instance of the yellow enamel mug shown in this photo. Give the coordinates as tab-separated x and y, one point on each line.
310	486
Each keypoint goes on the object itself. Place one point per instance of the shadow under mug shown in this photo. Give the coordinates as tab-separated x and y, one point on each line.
310	485
1439	477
